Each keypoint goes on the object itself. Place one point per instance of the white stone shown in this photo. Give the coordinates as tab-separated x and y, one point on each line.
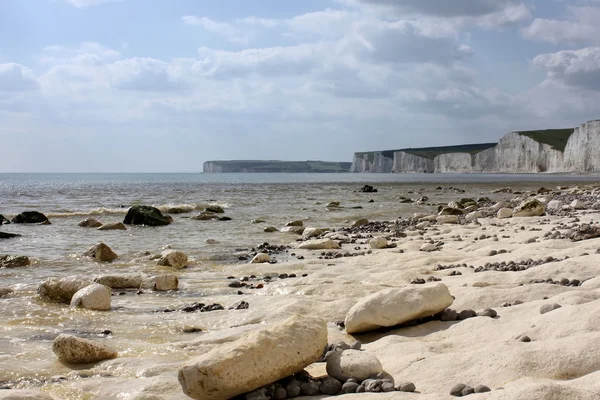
120	281
529	208
173	258
499	205
261	258
255	360
394	306
63	289
319	244
555	205
311	232
160	283
429	218
75	350
472	216
93	297
378	243
504	213
423	225
447	219
578	205
418	216
101	252
298	230
428	247
355	364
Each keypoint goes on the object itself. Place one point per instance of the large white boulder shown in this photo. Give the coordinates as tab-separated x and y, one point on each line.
504	213
555	205
395	306
472	216
529	208
92	297
578	205
378	243
499	205
255	360
173	258
101	252
61	289
319	244
75	350
355	364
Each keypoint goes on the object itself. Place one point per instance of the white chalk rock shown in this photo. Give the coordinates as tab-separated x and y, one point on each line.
423	225
529	208
311	232
261	258
355	364
18	394
428	247
429	218
578	205
298	230
499	205
93	297
101	252
555	205
378	243
504	213
173	258
75	350
160	283
472	216
257	359
120	281
63	289
447	219
319	244
113	226
395	306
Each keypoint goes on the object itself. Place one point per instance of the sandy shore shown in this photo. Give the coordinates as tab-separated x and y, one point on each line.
562	361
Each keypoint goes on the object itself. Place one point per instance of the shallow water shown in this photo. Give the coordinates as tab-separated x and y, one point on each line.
29	325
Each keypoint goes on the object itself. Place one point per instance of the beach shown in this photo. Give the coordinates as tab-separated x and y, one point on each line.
154	336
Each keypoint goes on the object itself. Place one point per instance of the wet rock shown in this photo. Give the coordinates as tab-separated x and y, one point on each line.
298	230
9	261
61	290
145	215
391	307
295	223
74	350
120	281
114	226
546	308
368	189
24	394
5	292
6	235
30	217
214	209
320	244
261	258
359	223
93	297
354	364
90	223
101	252
160	283
3	220
173	258
280	350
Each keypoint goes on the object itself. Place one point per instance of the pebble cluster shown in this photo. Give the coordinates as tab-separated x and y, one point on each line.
460	390
513	266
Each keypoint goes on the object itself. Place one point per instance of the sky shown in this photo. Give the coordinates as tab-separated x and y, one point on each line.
164	85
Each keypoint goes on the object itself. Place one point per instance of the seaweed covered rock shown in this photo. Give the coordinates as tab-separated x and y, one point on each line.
30	217
145	215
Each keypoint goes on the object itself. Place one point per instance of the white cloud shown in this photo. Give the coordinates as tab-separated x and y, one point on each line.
581	26
222	29
144	74
575	68
90	53
16	78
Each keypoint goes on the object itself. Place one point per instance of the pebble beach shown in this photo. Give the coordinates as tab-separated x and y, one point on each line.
491	293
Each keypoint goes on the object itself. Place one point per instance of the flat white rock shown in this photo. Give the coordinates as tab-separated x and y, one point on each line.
319	244
93	297
394	306
504	213
76	350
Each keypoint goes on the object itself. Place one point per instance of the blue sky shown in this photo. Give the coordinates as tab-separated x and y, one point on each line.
138	85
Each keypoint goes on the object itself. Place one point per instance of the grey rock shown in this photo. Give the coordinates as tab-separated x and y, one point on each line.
387	387
467	391
482	389
457	389
546	308
90	223
350	387
310	388
280	394
488	312
293	389
465	314
330	386
406	387
8	261
258	394
101	252
361	389
448	315
74	350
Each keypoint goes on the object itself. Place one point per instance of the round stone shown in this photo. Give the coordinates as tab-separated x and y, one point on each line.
330	386
309	389
279	394
406	387
482	389
387	387
457	389
293	389
350	387
467	391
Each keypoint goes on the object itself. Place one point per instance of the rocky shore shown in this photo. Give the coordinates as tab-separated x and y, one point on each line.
482	298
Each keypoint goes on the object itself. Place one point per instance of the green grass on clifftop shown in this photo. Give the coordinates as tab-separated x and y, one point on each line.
556	138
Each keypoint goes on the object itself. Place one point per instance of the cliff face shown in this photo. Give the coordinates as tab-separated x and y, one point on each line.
372	161
582	152
212	167
553	150
263	166
407	162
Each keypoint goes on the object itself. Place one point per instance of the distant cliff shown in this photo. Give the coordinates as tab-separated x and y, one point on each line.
552	150
274	166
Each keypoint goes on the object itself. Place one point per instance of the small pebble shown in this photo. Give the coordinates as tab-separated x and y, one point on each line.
406	387
525	339
350	387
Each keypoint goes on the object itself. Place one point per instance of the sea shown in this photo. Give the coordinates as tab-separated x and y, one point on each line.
28	325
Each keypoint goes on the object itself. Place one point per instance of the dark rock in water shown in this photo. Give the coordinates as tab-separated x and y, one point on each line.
191	329
242	305
224	219
3	220
212	307
368	189
8	261
30	217
215	209
330	386
90	223
193	307
457	389
145	215
5	235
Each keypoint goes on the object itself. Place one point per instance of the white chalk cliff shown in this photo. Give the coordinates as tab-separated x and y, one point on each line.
516	152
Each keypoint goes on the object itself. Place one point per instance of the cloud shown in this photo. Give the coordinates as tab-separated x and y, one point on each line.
89	53
144	74
223	29
16	78
581	26
88	3
575	68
